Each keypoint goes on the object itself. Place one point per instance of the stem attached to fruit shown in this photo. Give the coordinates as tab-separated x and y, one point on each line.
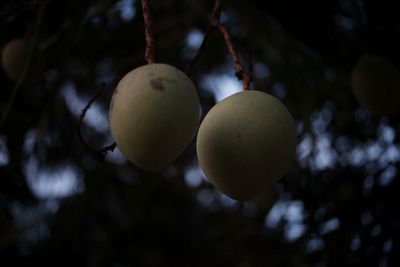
241	74
148	27
215	23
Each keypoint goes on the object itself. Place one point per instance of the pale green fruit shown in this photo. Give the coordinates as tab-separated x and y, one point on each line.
246	143
14	58
154	114
376	85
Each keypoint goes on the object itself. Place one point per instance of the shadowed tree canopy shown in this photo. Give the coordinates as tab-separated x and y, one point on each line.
63	205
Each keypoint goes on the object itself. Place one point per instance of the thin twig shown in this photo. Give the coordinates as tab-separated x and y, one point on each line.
216	13
80	121
215	23
202	48
148	27
89	104
99	153
109	148
241	74
214	16
27	66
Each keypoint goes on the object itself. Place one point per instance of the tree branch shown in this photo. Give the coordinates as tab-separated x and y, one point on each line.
99	153
202	48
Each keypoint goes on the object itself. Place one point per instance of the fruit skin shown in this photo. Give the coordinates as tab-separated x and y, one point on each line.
154	114
14	58
376	85
246	143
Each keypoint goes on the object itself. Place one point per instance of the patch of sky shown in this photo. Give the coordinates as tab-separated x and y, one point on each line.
192	43
300	127
387	246
318	151
53	182
355	243
321	120
30	141
345	24
295	211
342	144
294	231
329	226
224	17
325	155
373	150
315	244
194	38
291	212
116	157
279	90
104	72
356	157
390	155
228	18
387	176
4	153
206	197
304	149
376	230
362	115
276	214
366	218
386	134
225	200
368	182
194	175
261	70
96	116
222	85
126	9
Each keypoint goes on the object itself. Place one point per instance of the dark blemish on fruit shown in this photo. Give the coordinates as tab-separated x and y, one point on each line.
157	84
239	136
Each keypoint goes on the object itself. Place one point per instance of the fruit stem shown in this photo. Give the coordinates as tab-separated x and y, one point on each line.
241	74
215	24
148	28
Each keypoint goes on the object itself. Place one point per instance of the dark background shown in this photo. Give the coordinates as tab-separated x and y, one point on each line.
62	206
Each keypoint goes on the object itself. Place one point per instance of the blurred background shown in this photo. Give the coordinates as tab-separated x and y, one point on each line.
62	206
